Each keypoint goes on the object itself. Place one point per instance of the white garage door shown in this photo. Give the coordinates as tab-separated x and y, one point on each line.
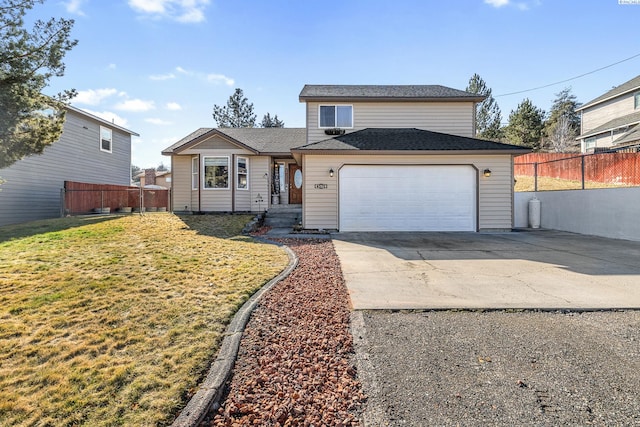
407	198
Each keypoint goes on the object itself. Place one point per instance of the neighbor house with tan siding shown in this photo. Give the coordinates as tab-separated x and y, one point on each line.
371	158
612	120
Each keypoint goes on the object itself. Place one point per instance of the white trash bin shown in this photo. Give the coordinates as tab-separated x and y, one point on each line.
534	213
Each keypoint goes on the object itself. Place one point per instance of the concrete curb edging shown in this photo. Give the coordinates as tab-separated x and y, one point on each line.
210	392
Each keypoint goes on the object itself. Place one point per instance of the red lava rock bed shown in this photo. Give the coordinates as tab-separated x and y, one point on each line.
295	366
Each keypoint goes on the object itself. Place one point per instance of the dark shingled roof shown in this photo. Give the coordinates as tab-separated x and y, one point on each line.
625	87
263	140
407	139
632	135
385	92
618	122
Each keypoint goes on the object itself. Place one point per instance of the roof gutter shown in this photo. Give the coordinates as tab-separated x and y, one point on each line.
410	152
389	99
206	136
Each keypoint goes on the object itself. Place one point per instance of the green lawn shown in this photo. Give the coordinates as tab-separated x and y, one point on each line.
115	320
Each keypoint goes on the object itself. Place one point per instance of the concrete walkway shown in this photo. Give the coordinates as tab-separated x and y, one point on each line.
518	270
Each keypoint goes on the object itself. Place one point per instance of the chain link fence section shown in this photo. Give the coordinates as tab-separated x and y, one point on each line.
570	171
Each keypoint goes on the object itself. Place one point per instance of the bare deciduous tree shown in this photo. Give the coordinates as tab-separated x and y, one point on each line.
562	138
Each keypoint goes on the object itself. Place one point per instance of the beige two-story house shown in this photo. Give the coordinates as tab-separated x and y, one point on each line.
371	158
612	120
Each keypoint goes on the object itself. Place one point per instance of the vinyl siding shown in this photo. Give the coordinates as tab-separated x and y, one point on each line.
599	114
447	117
495	194
32	190
221	200
259	185
181	184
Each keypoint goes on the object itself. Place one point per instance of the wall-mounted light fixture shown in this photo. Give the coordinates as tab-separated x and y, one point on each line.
266	175
331	172
487	173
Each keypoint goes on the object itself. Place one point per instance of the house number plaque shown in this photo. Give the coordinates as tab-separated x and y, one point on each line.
321	186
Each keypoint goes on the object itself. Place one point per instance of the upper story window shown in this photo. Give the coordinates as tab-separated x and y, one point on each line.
216	172
590	142
106	139
194	173
242	172
636	101
336	116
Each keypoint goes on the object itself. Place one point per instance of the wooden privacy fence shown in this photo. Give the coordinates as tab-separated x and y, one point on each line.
82	198
607	168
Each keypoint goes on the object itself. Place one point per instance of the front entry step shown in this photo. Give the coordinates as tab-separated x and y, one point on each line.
283	216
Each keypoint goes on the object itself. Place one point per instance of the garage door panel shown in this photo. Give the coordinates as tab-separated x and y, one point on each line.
407	198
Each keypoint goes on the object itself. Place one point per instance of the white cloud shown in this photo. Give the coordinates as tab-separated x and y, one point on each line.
521	5
220	78
497	3
168	76
159	122
93	97
182	70
109	116
135	105
173	106
74	7
111	66
186	11
148	6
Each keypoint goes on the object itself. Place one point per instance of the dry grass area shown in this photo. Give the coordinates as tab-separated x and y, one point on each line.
527	183
115	321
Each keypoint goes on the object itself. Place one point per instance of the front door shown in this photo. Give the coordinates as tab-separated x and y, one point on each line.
295	184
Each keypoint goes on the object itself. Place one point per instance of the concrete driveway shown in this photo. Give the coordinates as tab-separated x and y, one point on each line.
529	270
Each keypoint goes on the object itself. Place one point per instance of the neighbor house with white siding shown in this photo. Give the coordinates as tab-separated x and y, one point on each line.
371	158
90	150
612	120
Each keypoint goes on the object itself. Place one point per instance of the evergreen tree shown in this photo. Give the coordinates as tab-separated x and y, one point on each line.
238	113
29	120
488	115
271	122
525	125
563	123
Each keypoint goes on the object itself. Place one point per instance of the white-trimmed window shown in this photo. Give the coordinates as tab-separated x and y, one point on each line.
242	173
590	142
106	139
216	172
335	116
636	100
194	173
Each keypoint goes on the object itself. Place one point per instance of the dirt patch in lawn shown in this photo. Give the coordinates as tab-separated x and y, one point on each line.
114	322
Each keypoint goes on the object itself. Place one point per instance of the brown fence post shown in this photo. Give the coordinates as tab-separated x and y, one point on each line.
535	176
582	168
62	203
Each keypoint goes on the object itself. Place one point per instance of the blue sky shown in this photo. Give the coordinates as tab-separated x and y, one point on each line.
158	66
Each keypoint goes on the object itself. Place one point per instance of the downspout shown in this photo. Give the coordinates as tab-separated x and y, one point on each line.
232	182
171	186
199	183
474	119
